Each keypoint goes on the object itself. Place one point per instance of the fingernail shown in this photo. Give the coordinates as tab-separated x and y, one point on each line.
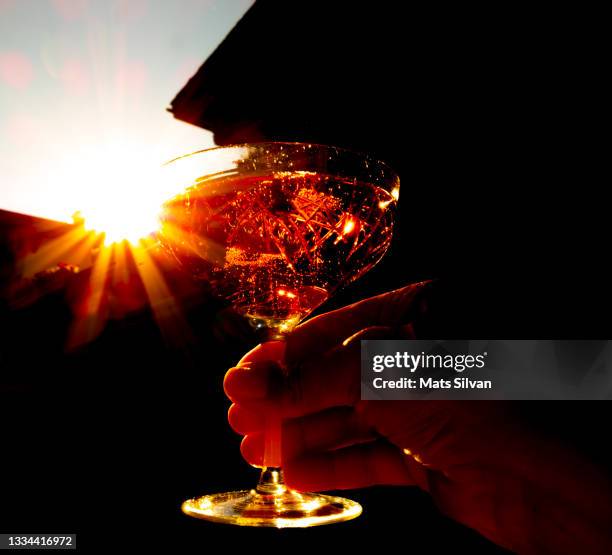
371	332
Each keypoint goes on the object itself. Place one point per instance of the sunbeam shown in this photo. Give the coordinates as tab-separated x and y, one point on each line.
90	314
167	312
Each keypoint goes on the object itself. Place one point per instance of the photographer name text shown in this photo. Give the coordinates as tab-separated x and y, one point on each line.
413	363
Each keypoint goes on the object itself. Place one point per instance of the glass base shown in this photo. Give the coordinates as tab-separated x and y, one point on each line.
288	509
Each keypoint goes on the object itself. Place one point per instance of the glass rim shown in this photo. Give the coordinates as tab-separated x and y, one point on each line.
356	153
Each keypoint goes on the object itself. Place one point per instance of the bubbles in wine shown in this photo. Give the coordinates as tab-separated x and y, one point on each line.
277	245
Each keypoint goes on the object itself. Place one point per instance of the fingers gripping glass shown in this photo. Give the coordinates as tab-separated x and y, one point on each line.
275	228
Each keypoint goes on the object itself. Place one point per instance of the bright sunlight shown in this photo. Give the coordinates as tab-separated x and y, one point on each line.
84	136
124	191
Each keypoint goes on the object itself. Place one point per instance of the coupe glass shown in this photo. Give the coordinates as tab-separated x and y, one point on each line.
275	229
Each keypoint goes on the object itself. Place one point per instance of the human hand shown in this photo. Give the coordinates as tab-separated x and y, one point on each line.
482	464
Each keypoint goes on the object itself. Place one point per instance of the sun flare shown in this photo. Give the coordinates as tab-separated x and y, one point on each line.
120	219
119	191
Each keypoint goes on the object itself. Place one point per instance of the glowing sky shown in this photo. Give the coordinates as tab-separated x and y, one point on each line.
84	85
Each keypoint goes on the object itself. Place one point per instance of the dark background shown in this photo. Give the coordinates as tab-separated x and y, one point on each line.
491	115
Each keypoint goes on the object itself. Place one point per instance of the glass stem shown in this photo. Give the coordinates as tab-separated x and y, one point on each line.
272	442
271	480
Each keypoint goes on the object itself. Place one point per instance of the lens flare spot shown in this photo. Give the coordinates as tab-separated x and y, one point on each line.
70	10
6	4
16	70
